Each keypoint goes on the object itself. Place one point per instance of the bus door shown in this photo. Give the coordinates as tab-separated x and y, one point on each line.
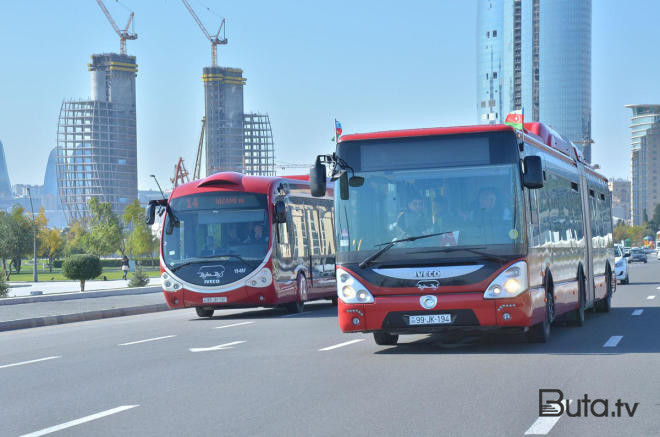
587	211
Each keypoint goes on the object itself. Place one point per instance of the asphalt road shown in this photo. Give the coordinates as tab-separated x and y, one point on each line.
260	372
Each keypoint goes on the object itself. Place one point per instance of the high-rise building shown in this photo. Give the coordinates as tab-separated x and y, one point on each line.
644	160
536	55
97	141
258	155
5	185
223	96
620	189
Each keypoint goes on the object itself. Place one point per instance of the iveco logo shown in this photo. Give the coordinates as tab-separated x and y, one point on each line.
427	274
428	302
428	284
211	272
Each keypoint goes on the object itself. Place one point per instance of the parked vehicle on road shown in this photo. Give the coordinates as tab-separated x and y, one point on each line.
232	240
621	266
468	227
637	255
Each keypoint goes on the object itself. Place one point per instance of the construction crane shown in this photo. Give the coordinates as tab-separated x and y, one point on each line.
180	174
215	40
123	34
198	160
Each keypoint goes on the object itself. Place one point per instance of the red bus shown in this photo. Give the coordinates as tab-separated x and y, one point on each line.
232	241
463	228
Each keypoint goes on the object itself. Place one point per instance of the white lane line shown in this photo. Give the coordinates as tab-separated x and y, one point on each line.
233	324
637	312
543	425
144	341
329	348
215	348
79	421
29	362
613	341
650	298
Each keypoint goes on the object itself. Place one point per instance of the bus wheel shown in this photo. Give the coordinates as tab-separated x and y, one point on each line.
204	312
385	339
540	333
334	301
298	306
578	314
604	305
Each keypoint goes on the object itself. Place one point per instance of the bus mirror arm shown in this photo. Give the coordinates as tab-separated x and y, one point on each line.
533	172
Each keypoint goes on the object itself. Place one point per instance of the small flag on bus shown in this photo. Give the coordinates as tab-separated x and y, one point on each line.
337	129
515	119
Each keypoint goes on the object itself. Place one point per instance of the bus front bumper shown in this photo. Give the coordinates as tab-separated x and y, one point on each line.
395	314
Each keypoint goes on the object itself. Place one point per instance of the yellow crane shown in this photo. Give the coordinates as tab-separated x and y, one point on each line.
123	34
215	40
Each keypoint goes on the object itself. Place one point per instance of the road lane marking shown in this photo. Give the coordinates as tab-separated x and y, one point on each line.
233	324
637	312
29	362
215	348
329	348
543	424
144	341
613	341
79	421
650	298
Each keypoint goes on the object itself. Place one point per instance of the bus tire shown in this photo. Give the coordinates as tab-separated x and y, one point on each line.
540	333
204	312
298	305
578	314
385	339
605	304
334	301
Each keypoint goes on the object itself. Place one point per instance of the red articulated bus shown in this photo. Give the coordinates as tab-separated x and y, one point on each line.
232	240
464	228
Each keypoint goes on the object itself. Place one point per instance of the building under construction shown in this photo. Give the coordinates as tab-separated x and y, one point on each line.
258	153
96	139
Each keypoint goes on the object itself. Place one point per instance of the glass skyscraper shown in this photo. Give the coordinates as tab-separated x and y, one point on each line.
536	55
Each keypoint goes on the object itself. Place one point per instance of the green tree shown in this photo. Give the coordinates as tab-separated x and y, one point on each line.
139	278
15	239
139	240
50	245
82	268
105	232
4	287
73	239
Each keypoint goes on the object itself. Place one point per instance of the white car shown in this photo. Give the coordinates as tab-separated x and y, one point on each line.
620	266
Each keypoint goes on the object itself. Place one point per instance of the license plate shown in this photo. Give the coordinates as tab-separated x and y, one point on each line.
214	299
431	319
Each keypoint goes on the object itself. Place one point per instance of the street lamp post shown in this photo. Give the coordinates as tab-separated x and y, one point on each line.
35	276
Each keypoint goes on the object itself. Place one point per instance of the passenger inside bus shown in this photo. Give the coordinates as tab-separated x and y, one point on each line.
257	236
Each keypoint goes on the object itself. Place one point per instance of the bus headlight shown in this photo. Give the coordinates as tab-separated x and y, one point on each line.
262	279
509	283
350	290
169	283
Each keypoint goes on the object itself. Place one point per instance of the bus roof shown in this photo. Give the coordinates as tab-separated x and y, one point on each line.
232	180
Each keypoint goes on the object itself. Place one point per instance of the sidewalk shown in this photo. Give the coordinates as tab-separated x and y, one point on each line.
17	289
58	307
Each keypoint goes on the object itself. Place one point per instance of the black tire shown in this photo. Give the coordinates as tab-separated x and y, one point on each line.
626	280
298	306
578	314
385	339
334	301
605	305
204	312
540	333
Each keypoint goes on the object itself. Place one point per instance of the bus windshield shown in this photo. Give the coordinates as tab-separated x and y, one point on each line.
476	209
217	225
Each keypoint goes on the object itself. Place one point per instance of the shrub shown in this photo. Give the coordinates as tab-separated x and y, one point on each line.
4	287
82	268
139	278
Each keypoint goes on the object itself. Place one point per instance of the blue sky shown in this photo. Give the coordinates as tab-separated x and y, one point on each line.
374	65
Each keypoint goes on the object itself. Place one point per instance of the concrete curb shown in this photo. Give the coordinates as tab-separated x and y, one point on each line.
81	295
12	325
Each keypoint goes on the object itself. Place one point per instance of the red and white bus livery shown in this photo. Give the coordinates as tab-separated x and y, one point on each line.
467	228
232	240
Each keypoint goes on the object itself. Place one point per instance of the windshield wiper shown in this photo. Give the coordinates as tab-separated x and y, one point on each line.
474	250
212	257
387	246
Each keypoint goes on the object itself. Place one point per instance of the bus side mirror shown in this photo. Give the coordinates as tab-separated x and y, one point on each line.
343	186
279	212
150	213
317	179
533	176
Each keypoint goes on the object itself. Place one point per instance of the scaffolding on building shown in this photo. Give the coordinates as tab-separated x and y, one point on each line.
259	153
